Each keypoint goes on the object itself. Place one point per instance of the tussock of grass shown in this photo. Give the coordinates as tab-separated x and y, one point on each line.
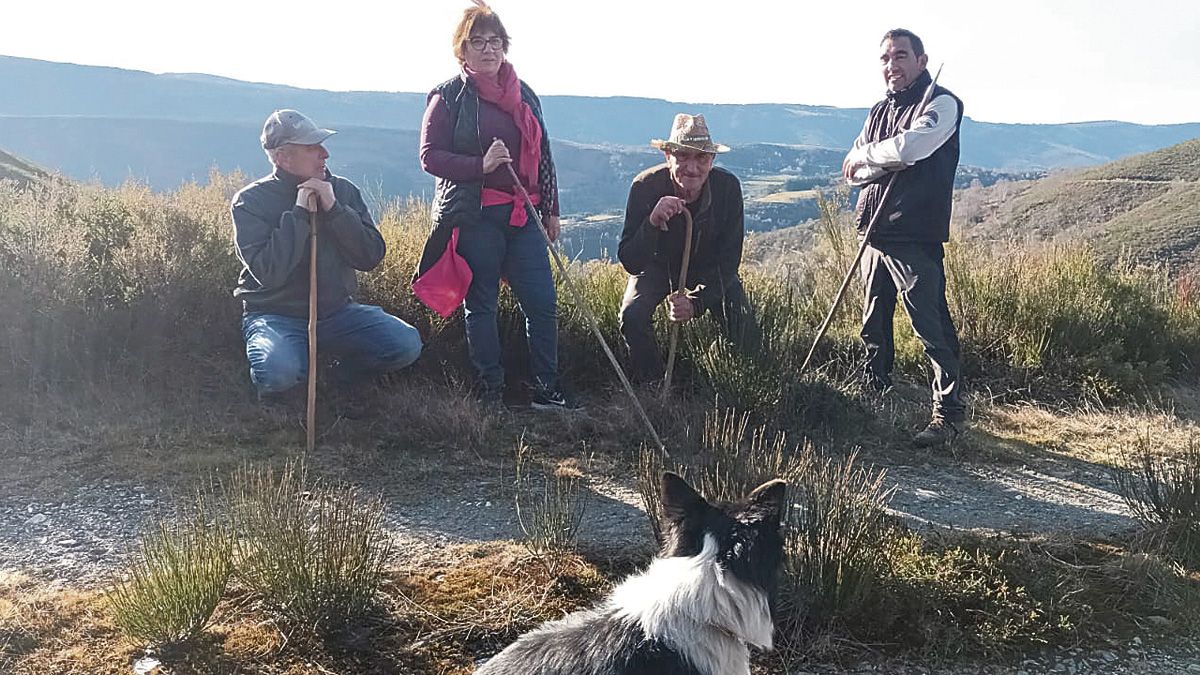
835	530
171	591
1164	494
314	552
550	501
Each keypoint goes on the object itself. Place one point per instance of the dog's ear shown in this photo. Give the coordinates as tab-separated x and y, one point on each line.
679	500
766	502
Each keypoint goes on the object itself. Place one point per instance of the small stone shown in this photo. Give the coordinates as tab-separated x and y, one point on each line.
1108	656
1194	668
68	543
37	519
147	665
1159	621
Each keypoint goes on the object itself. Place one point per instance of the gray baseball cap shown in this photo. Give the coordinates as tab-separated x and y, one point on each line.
289	126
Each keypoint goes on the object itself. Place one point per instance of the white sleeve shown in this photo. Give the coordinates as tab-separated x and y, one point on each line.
929	131
866	174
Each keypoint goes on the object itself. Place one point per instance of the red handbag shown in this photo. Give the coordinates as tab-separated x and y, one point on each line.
442	285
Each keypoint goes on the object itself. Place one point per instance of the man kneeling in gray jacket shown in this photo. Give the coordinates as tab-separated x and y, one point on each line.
271	228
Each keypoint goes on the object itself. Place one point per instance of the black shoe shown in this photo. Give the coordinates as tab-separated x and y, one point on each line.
552	398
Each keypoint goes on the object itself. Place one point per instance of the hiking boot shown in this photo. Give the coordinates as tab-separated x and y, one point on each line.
552	398
939	432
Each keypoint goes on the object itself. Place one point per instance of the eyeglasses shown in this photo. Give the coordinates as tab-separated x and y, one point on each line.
495	42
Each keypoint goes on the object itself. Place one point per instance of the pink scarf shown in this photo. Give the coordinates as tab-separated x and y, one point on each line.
505	93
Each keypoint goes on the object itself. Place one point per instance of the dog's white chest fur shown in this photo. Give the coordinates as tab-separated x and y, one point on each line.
698	610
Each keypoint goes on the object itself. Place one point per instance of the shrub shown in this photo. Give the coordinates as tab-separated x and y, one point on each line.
550	506
315	552
836	529
732	459
169	595
1066	323
1164	494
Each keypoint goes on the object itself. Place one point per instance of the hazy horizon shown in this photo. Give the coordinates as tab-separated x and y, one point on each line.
1028	62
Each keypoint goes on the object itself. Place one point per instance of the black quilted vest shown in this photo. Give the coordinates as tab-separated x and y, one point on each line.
454	201
918	206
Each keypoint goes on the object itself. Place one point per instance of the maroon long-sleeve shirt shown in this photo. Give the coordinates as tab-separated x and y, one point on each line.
437	140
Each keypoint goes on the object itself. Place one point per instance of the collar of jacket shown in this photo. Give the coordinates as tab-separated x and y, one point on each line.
913	92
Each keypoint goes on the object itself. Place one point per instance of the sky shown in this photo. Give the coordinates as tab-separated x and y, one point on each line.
1027	61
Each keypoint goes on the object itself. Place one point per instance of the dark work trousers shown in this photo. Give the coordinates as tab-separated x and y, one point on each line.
643	294
916	272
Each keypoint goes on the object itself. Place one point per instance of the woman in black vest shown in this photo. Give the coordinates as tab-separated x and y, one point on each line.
476	125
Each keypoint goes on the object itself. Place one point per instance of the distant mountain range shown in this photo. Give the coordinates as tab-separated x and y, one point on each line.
110	124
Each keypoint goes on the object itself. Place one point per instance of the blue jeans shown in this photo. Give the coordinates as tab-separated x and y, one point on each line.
363	338
495	249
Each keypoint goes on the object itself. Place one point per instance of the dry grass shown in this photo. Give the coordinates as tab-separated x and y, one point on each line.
1095	435
440	619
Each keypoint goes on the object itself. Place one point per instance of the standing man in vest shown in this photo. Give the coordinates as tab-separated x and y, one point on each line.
918	151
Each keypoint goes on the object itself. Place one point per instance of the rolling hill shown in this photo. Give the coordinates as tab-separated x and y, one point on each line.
1145	207
23	173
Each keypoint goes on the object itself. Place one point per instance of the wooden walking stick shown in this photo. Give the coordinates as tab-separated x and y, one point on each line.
311	420
592	322
680	290
862	247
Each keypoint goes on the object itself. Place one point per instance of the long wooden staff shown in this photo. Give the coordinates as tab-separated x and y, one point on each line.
862	247
680	290
312	325
595	325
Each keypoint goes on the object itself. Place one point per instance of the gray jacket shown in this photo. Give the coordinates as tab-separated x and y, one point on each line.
271	235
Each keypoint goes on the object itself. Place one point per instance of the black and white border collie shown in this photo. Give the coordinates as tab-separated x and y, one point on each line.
694	611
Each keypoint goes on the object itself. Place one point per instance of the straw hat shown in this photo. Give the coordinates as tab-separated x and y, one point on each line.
689	132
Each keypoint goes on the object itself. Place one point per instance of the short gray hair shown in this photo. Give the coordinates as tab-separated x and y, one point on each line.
274	153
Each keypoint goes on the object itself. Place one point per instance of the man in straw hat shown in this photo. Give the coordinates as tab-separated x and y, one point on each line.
271	232
909	154
652	243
